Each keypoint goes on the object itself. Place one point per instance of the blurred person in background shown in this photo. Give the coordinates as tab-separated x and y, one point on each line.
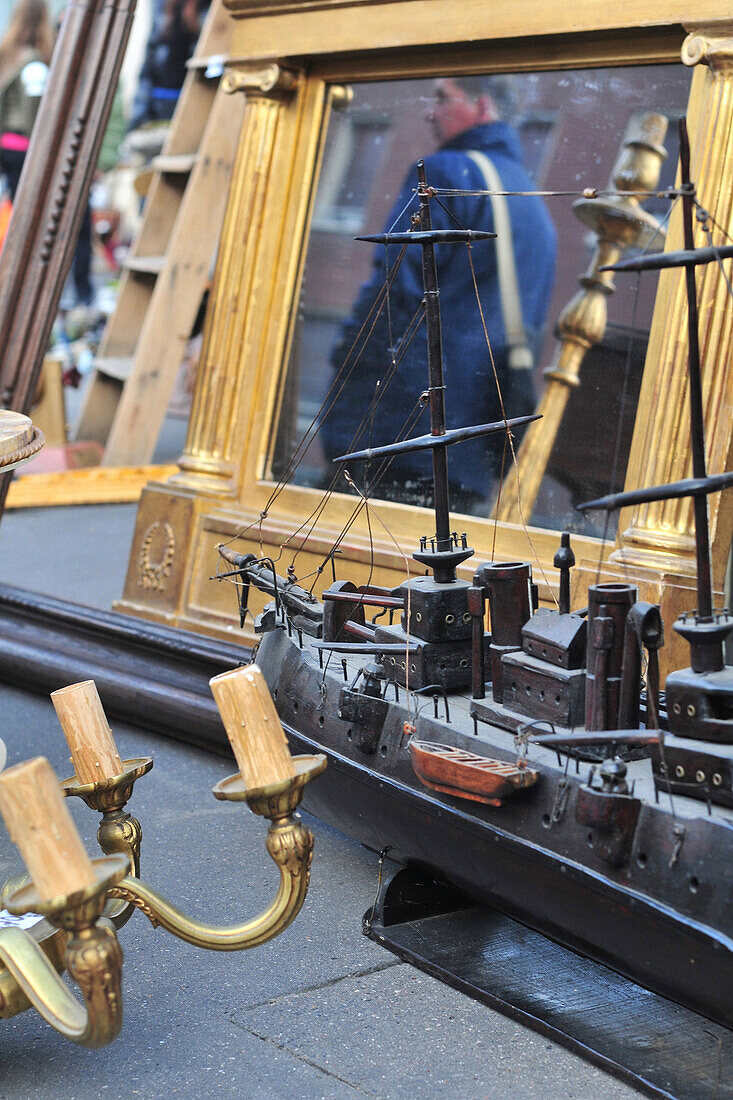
173	38
25	55
479	154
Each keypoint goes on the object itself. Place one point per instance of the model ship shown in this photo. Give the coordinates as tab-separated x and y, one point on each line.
628	859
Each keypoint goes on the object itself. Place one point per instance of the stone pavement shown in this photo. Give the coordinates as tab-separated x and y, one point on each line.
319	1012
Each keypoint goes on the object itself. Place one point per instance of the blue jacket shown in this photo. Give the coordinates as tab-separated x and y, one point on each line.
471	396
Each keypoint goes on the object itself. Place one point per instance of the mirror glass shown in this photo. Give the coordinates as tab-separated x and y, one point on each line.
357	372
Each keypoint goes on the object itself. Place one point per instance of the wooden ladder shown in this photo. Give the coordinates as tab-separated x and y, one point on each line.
169	264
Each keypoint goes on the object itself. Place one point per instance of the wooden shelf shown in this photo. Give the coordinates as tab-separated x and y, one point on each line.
114	366
174	163
95	485
144	265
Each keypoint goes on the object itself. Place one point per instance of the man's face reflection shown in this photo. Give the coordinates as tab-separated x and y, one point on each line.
452	110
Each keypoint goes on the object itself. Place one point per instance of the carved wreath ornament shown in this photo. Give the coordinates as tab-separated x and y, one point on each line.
156	556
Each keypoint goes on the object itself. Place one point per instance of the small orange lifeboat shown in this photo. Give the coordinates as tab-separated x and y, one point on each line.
465	774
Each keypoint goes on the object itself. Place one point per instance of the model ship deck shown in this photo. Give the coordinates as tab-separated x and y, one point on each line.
298	708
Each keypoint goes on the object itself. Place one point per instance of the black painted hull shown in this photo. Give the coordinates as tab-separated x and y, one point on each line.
631	919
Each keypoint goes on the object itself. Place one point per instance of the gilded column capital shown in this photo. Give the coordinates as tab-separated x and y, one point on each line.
270	81
709	44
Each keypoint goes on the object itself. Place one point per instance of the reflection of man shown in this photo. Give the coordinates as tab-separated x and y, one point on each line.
465	118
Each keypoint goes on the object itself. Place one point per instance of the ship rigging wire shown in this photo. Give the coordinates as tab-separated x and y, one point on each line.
584	193
508	437
409	423
338	384
341	378
382	303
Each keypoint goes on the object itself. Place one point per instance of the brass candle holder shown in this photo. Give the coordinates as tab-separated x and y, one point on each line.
93	958
289	843
118	830
86	919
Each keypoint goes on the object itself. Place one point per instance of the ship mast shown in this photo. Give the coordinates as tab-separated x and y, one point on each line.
443	541
443	552
697	423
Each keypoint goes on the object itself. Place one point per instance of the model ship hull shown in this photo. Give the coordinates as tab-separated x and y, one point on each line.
664	919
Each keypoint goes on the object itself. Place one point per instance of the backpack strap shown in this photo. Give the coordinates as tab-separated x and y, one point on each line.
520	356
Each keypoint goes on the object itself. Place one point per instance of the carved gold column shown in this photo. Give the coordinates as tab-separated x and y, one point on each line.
210	461
210	467
619	222
655	545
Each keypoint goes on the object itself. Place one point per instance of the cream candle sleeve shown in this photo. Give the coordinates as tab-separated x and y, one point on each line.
40	824
253	726
87	732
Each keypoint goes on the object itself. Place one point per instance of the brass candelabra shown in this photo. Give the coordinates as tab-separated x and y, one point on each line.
85	902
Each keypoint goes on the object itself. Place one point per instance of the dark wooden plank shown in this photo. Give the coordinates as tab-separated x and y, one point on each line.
659	1046
154	676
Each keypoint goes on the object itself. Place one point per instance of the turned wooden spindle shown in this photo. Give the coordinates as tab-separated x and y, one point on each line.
40	824
253	726
87	732
619	222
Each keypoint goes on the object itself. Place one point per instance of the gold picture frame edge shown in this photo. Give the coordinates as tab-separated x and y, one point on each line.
327	27
90	485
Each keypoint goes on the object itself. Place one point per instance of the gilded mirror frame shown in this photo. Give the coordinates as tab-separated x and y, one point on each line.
218	490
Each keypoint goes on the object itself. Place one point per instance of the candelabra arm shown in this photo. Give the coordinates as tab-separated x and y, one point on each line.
118	830
95	963
11	885
93	960
288	842
121	832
